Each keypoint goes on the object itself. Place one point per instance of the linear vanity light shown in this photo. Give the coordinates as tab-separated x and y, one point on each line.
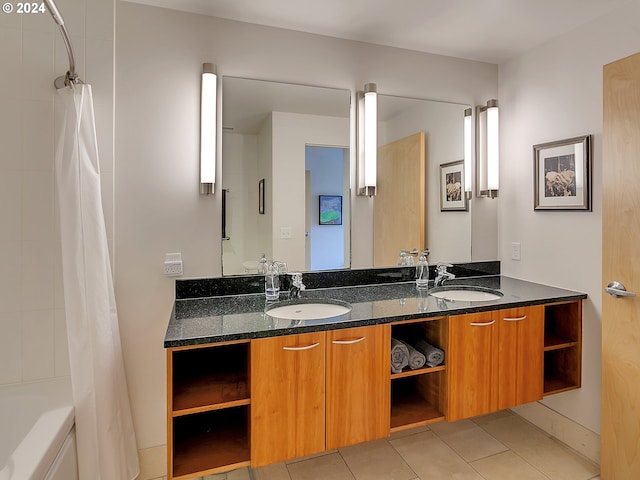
367	139
468	184
488	148
208	128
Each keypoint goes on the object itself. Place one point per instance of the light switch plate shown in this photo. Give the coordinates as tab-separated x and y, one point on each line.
516	252
285	232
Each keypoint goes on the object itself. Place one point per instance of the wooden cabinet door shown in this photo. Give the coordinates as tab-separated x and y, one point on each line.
287	397
472	365
358	385
520	355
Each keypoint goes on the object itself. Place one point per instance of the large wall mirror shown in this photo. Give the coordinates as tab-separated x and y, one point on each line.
285	176
411	210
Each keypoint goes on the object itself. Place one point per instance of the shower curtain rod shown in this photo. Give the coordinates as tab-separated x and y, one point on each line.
71	76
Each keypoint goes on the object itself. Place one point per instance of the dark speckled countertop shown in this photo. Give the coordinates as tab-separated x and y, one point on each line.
221	318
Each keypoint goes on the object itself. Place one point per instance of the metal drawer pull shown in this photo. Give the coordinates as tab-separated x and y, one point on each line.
348	342
475	324
515	319
297	349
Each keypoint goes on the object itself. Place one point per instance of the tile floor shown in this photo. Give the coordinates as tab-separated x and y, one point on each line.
500	446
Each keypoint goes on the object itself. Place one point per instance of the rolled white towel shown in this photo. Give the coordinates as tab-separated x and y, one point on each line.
399	356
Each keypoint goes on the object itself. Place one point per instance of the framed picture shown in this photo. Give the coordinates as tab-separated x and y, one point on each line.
330	210
452	196
562	174
261	197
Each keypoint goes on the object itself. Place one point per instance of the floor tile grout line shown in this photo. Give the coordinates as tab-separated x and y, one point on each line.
400	454
476	470
513	451
575	452
558	443
556	440
347	465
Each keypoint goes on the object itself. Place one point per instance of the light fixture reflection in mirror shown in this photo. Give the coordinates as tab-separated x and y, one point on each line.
468	178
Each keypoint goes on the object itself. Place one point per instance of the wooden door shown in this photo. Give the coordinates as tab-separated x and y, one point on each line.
287	397
520	355
399	204
472	365
358	385
620	433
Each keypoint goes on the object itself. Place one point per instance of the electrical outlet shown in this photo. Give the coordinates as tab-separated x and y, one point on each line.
173	264
516	253
285	232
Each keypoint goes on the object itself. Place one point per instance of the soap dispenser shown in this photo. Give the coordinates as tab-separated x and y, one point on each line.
422	272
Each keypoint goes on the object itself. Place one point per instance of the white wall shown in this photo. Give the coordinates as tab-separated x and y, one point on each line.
240	178
291	133
555	92
33	344
159	57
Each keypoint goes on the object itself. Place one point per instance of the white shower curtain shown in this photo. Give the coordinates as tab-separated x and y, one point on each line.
106	440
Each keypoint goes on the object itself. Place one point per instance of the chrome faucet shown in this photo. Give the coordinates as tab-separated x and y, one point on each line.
296	285
442	275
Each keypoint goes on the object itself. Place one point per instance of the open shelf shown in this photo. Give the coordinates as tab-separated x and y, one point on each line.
418	397
407	372
417	400
561	370
555	342
210	378
562	324
433	331
556	385
562	346
210	442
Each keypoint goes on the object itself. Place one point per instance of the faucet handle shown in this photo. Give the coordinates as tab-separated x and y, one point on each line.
281	267
296	280
442	267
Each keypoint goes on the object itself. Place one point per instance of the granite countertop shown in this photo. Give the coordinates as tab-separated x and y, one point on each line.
196	321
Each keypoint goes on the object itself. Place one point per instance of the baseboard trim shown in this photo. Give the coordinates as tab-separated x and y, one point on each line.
572	434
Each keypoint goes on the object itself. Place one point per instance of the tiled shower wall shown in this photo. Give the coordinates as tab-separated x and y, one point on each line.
33	337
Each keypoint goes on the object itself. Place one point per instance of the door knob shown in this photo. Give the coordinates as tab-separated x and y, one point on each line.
616	289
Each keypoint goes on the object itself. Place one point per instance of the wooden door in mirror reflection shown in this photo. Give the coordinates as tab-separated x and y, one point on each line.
399	204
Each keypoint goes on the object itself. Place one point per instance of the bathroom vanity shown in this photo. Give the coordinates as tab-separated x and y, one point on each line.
244	388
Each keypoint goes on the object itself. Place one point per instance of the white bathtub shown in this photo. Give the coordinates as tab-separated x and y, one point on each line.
37	435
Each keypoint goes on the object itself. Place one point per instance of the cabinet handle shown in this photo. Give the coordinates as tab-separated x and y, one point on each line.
348	342
515	319
297	349
476	324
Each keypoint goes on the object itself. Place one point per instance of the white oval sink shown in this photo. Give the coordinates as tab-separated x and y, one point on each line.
466	294
308	310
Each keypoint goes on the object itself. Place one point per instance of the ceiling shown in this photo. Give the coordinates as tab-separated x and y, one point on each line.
485	30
